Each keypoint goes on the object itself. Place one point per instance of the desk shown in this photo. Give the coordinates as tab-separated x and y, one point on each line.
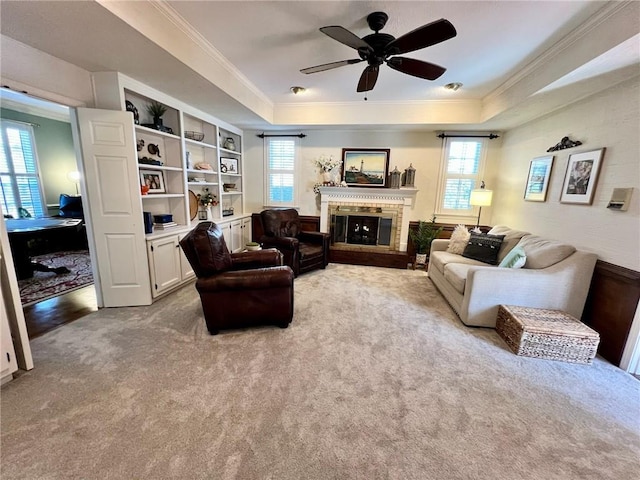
23	230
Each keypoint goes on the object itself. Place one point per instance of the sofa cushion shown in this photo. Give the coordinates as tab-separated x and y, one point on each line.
459	239
456	275
516	258
542	253
439	259
511	239
483	247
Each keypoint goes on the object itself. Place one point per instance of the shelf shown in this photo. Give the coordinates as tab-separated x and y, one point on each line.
231	193
206	172
196	143
203	184
230	151
162	195
159	167
231	174
152	131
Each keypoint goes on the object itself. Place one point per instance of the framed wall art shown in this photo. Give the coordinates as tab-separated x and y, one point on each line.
581	177
229	165
365	167
154	179
538	179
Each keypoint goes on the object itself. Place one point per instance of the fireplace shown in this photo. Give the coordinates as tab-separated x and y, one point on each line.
363	226
366	218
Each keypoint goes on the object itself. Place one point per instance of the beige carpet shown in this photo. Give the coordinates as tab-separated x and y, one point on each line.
375	379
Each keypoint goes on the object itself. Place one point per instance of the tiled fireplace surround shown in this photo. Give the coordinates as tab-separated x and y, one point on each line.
400	199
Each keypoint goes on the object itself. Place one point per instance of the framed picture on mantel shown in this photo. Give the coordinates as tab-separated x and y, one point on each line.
365	167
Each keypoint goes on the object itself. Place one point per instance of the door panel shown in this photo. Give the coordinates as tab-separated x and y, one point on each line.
115	226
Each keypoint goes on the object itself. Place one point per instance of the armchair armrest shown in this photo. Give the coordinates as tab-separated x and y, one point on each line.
313	237
286	243
256	259
260	278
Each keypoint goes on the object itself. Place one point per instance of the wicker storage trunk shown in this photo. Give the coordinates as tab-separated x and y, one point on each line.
550	334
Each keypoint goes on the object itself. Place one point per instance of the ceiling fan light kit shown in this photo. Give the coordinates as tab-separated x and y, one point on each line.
379	48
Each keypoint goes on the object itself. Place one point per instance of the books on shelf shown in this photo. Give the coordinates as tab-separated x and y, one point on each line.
165	225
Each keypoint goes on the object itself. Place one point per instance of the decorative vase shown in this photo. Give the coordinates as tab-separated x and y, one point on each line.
327	176
421	258
157	121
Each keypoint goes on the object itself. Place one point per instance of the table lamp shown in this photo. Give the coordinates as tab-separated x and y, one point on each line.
480	197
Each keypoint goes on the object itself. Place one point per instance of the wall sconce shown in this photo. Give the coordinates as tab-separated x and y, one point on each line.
481	197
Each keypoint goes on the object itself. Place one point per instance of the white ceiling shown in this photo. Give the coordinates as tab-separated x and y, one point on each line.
237	60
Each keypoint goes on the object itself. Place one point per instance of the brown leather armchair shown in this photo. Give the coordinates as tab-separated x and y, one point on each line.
238	289
303	251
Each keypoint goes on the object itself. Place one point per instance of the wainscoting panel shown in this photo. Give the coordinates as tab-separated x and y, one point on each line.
610	308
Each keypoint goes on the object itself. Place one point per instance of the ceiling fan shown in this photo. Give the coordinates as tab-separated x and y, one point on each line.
377	48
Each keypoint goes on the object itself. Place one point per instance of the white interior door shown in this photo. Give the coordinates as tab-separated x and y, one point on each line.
106	139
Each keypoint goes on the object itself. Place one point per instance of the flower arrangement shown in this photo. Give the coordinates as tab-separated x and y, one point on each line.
316	186
207	199
326	164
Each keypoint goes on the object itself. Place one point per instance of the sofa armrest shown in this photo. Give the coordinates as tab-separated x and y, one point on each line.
439	245
256	259
563	286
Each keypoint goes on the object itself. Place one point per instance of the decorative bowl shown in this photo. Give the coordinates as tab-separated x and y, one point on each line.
228	186
191	135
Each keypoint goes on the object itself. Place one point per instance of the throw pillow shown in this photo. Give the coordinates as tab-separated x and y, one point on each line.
483	247
516	258
459	239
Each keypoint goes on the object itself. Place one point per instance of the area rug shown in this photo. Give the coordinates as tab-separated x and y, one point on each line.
44	285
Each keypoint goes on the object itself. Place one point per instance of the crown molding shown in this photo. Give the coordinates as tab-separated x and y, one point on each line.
575	36
206	47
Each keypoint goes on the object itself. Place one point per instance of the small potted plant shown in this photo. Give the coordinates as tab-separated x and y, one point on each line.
156	110
422	237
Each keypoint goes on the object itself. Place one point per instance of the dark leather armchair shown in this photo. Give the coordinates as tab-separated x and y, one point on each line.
303	251
238	289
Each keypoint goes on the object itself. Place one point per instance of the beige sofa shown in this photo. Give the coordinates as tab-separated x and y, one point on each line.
555	276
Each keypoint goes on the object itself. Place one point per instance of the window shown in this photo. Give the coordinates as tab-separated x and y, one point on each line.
462	168
280	168
19	176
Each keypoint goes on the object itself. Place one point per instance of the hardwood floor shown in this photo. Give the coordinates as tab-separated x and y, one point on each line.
44	316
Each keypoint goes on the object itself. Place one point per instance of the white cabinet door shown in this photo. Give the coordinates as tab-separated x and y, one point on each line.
8	363
166	271
185	267
111	192
246	231
236	236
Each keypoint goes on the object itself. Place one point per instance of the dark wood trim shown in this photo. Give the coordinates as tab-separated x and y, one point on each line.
447	230
610	307
374	258
308	223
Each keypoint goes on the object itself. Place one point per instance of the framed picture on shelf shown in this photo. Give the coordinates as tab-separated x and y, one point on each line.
365	167
154	179
538	179
581	177
229	165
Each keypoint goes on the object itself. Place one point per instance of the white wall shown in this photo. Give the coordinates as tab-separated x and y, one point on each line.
423	149
610	119
43	75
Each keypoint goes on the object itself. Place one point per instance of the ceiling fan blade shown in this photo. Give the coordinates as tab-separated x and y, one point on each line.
368	78
344	36
424	36
417	68
329	66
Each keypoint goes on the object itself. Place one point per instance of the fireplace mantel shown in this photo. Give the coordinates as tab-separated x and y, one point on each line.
403	197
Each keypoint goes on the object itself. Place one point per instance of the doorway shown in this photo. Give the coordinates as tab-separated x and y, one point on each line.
54	297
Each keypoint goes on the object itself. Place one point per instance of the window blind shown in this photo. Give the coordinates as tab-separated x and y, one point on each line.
281	156
19	179
462	170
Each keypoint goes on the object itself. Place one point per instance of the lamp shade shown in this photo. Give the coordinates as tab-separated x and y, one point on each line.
481	197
